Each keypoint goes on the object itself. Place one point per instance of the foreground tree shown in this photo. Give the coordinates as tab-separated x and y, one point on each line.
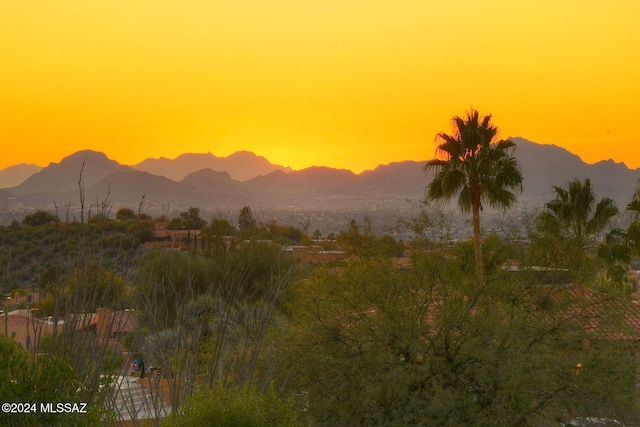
30	382
209	316
375	345
474	169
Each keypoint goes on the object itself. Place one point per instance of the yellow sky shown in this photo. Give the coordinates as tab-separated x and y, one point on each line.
343	83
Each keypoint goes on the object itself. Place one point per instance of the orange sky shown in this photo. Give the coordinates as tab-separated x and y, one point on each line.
349	84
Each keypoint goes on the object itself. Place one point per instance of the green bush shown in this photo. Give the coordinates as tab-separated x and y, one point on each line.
43	380
234	407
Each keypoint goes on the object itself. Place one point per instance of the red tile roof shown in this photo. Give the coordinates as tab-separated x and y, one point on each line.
19	320
119	321
604	316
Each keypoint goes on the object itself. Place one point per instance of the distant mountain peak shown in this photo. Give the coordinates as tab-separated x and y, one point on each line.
222	175
612	162
83	155
545	165
88	152
91	165
244	153
17	174
241	165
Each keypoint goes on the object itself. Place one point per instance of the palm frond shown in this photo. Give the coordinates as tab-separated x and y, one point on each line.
578	212
604	211
469	155
465	199
633	207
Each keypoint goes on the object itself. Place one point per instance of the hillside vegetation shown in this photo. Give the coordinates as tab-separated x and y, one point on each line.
243	322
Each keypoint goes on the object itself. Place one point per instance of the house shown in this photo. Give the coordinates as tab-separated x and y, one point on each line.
27	330
110	327
178	239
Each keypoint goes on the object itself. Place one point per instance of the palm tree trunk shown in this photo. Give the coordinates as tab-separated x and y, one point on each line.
477	243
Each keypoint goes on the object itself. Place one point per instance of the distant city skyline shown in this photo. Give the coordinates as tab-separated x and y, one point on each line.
341	84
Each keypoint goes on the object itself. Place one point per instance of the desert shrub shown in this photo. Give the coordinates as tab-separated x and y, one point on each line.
234	407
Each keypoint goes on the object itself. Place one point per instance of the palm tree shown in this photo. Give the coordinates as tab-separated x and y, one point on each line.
633	207
622	246
576	214
633	230
474	169
574	219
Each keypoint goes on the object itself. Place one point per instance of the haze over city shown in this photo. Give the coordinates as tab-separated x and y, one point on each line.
342	84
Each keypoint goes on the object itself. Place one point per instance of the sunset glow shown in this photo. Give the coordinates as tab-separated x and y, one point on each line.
343	84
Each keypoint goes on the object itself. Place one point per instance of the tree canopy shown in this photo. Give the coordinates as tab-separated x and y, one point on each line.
375	345
40	217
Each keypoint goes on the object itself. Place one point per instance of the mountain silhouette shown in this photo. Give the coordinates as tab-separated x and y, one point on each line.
17	174
241	166
220	186
316	187
91	166
544	166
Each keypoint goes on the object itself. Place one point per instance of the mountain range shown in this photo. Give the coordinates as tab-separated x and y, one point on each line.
244	179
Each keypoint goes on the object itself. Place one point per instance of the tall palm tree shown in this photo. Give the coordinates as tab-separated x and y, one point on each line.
471	167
